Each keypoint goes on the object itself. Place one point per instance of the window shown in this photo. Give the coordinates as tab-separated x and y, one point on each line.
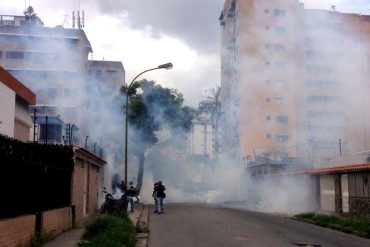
282	137
266	11
267	46
324	99
98	73
14	54
268	118
112	74
279	47
267	28
279	12
322	84
313	69
282	119
267	64
280	30
52	92
280	83
281	65
280	101
69	92
268	99
326	114
268	136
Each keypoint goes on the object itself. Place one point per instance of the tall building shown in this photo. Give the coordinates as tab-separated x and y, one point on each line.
289	76
202	136
53	62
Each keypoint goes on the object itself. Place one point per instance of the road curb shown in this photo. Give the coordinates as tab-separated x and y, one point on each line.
142	225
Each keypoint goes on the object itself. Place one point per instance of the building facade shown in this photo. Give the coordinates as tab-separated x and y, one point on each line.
15	99
202	136
53	62
288	81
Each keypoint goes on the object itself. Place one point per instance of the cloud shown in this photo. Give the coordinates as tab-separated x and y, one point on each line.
193	21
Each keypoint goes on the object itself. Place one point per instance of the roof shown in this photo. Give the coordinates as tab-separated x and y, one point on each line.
341	169
86	153
21	90
58	32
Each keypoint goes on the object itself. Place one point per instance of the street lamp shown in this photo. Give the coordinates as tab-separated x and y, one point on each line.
163	66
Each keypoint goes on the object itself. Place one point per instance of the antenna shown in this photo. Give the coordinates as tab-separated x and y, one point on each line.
77	20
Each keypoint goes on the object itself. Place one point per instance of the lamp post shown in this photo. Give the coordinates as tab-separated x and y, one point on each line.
163	66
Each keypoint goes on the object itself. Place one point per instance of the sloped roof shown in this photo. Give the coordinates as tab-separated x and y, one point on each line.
21	90
341	169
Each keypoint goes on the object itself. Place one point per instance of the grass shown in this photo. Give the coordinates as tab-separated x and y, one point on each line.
109	231
356	226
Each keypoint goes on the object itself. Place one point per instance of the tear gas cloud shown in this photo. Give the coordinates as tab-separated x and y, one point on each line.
225	180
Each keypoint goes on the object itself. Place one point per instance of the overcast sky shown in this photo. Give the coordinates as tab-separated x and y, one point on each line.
145	33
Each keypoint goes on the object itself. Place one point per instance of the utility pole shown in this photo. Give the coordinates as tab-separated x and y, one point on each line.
340	147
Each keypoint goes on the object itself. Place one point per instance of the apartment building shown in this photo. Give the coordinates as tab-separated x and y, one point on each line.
202	136
53	62
288	79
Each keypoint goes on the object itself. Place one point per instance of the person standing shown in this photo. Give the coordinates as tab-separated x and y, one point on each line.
154	195
160	195
131	193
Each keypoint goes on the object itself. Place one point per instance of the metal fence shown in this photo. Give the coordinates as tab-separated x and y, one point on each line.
33	177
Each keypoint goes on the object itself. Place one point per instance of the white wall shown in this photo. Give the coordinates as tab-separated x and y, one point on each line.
7	110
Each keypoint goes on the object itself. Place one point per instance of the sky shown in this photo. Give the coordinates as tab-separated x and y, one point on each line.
146	33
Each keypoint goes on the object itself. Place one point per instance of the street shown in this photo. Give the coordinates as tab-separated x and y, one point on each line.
185	225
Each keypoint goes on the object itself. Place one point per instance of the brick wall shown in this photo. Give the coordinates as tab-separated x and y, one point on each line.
93	189
17	231
57	220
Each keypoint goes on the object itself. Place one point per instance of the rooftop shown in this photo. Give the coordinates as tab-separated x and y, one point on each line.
21	90
341	169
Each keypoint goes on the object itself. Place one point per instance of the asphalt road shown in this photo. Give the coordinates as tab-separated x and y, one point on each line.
201	226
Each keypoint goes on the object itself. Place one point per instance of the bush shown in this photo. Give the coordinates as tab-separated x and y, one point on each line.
109	231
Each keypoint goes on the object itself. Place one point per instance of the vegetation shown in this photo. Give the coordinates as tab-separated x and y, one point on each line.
151	109
40	239
109	231
356	226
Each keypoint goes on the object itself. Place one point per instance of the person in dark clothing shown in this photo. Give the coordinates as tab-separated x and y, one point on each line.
154	195
160	195
131	193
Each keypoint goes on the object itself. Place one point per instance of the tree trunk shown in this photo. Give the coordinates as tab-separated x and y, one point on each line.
140	172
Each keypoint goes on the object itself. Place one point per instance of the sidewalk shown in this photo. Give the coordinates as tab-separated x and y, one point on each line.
71	237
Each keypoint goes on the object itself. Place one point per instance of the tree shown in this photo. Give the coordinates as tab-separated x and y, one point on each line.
212	105
150	110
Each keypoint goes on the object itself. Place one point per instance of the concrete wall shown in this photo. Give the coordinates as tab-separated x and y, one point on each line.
57	221
23	123
17	231
7	110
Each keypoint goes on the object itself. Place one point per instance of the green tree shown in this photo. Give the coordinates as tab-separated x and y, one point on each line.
151	108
